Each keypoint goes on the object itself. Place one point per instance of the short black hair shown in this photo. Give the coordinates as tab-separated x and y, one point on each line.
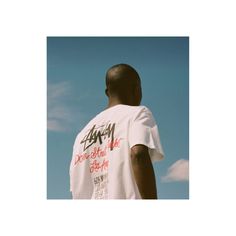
121	78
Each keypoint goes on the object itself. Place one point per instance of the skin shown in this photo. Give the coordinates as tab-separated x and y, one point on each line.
143	172
124	87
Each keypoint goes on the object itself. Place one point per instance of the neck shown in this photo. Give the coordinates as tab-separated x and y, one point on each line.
117	102
113	103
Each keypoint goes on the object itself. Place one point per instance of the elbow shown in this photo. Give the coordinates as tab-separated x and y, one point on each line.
139	153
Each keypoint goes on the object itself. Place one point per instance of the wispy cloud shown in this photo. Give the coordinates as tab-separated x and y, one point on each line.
59	115
54	125
179	171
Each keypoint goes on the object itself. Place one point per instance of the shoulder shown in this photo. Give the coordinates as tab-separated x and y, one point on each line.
142	110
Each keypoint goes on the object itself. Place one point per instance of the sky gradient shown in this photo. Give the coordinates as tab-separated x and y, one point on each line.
76	68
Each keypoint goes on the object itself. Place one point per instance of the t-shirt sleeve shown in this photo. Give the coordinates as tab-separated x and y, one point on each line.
143	130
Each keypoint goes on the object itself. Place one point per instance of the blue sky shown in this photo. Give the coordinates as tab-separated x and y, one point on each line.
76	68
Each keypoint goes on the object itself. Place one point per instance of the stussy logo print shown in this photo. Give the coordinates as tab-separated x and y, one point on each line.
99	133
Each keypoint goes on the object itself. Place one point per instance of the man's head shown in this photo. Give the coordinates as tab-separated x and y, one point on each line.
123	85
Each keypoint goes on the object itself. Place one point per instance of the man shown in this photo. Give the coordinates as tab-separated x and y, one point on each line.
113	154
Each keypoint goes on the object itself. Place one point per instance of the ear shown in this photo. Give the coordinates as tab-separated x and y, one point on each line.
106	92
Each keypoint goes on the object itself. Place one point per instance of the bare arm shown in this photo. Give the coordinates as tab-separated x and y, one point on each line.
143	172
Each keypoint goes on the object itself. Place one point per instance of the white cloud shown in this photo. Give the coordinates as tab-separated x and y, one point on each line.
179	171
59	114
57	90
63	104
54	125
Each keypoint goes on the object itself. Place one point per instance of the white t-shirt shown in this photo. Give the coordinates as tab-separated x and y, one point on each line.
101	165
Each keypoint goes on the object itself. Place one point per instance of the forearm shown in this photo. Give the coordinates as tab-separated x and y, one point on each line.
144	176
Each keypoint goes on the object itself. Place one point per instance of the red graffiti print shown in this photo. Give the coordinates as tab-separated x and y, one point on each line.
98	155
96	166
114	144
97	152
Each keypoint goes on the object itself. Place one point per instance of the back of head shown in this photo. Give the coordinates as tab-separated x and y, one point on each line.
122	80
